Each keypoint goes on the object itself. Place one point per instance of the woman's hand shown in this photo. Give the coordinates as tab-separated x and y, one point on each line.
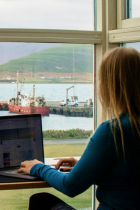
66	162
27	165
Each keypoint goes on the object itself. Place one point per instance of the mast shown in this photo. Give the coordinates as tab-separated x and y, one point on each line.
33	96
17	90
33	91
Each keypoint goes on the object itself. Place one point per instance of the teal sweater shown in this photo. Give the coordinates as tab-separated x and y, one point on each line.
117	178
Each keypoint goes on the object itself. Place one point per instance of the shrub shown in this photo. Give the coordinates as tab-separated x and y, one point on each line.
66	134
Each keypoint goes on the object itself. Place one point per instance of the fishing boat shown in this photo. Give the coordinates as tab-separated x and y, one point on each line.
28	104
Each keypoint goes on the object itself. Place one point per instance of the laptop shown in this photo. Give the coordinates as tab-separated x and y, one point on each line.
20	139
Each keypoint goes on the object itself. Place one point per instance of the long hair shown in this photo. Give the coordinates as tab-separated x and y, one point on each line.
119	87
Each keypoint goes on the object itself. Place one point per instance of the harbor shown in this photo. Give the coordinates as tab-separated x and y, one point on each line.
83	110
58	98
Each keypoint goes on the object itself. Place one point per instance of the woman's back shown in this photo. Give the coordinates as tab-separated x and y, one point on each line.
119	185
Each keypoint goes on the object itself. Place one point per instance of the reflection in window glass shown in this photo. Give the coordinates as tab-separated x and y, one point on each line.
47	14
60	73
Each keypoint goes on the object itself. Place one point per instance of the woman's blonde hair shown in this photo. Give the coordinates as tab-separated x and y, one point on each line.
119	87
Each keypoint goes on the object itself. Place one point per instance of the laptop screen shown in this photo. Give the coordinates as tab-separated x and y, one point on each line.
20	139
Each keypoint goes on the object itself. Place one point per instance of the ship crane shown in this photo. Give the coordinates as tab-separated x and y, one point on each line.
67	89
73	101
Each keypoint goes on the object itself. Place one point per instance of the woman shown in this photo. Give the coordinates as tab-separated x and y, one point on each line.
112	157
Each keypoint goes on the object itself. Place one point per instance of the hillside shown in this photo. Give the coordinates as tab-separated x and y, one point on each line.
64	60
14	50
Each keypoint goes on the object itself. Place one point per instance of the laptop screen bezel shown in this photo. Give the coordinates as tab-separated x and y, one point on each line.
34	116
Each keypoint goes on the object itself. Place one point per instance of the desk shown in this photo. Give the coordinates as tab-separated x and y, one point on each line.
23	185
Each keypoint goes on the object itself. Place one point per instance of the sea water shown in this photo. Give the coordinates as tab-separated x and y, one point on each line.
54	92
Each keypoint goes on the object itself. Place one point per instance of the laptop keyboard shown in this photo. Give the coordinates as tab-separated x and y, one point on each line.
14	171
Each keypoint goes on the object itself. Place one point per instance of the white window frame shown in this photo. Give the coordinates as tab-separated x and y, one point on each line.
122	22
128	30
50	36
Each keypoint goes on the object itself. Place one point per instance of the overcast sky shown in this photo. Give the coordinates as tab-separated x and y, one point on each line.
51	14
48	14
135	8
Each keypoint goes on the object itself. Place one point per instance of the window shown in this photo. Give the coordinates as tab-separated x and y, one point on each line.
51	45
127	14
53	68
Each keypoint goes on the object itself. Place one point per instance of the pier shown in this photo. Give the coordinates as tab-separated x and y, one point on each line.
81	111
72	111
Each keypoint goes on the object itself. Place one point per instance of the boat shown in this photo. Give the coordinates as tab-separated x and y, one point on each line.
28	104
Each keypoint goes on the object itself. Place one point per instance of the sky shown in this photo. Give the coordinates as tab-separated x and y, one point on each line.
47	14
135	8
51	14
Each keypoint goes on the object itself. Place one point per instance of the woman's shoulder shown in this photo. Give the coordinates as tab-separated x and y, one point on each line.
103	136
102	133
106	127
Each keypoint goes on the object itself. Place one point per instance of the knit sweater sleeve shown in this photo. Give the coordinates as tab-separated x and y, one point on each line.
97	157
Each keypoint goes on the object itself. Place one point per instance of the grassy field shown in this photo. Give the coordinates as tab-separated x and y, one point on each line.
18	199
63	150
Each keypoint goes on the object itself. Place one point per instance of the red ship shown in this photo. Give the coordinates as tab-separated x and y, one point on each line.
28	108
26	104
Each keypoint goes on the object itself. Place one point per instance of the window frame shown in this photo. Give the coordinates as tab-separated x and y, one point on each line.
124	14
128	30
50	36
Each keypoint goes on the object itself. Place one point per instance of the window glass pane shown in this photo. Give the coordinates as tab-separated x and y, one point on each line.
135	45
135	8
47	14
59	72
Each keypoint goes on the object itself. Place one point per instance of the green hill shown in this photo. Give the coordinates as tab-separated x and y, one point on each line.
60	59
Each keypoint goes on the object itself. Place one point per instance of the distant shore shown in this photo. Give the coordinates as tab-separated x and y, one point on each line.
45	82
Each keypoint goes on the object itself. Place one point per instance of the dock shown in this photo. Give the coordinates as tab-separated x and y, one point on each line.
72	111
81	111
